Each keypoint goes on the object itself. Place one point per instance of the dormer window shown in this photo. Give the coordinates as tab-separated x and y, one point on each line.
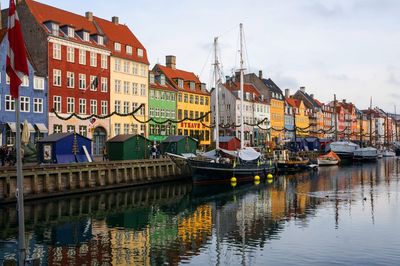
55	29
180	83
129	49
248	96
140	52
100	40
71	32
162	79
117	47
203	87
152	78
85	36
192	85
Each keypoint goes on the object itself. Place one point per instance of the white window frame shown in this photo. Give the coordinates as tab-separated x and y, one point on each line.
127	87
82	81
9	103
57	51
82	57
117	106
117	86
140	52
82	106
104	107
38	105
92	88
70	78
127	66
93	107
71	32
25	81
38	83
55	29
93	59
70	105
100	40
117	65
104	61
104	84
117	128
129	49
117	47
71	54
57	101
57	77
86	36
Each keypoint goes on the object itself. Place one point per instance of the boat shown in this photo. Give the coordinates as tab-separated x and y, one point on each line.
344	149
222	166
328	159
380	154
366	154
388	153
287	163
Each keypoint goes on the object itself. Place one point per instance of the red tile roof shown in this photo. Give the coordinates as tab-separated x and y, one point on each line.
165	87
44	13
318	102
247	87
293	102
172	74
122	34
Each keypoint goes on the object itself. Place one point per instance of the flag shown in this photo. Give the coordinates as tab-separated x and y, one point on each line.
95	83
234	164
16	64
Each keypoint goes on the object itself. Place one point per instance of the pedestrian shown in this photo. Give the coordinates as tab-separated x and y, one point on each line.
104	154
154	152
3	155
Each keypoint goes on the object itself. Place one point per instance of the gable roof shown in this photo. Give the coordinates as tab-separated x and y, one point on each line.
44	13
58	136
125	137
247	88
121	33
172	74
293	102
273	87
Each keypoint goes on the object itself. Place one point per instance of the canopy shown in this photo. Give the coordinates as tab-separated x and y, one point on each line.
42	128
247	154
331	155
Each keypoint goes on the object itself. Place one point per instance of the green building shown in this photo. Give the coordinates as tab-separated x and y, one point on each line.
162	106
179	145
128	147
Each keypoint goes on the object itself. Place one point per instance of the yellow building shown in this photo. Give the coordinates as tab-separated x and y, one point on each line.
302	122
193	101
277	109
129	68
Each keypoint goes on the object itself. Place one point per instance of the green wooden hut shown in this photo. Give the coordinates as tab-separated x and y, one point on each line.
179	145
128	147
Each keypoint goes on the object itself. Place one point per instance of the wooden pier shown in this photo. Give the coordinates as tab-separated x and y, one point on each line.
63	179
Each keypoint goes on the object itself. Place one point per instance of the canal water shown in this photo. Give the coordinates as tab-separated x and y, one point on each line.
348	215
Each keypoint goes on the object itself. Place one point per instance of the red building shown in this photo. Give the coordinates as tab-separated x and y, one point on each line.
230	143
71	51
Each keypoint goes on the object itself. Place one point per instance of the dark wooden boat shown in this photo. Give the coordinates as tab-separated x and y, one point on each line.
287	163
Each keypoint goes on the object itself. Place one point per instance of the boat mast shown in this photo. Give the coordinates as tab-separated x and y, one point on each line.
370	122
335	116
395	123
216	87
241	89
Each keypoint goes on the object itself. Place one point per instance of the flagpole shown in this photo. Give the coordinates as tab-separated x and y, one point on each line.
20	187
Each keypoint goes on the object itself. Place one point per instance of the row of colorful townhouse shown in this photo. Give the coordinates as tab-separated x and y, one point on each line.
82	65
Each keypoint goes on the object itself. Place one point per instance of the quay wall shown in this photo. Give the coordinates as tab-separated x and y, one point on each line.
63	179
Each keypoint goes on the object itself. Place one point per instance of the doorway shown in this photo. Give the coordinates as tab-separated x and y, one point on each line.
99	140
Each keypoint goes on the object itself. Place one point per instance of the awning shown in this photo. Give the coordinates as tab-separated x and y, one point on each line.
31	128
42	128
12	126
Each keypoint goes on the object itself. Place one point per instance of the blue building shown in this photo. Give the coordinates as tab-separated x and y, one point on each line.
33	99
289	122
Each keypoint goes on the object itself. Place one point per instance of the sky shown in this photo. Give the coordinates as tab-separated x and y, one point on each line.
350	48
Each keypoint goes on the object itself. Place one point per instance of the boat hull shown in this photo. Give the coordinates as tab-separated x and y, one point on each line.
322	162
206	172
291	166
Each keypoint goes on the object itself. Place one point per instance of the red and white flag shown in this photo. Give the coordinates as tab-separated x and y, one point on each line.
16	65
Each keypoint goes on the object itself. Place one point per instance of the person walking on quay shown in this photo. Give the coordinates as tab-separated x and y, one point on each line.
104	154
153	151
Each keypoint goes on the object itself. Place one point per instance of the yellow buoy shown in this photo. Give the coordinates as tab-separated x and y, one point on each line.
256	182
233	179
257	178
269	176
233	184
269	181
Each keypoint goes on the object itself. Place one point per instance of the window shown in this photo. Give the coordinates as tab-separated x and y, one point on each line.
185	114
129	49
117	128
37	105
179	97
127	87
135	88
162	79
82	106
104	62
25	81
100	40
9	103
94	83
142	89
104	107
162	113
134	106
104	84
151	111
151	94
143	110
206	100
93	107
85	36
82	57
126	129
56	77
57	128
191	99
55	29
135	69
70	80
117	65
82	81
143	71
117	47
180	83
196	99
185	98
134	129
71	32
117	106
126	107
38	83
70	54
70	128
140	52
83	130
93	59
57	51
70	105
57	103
117	86
192	85
127	66
201	100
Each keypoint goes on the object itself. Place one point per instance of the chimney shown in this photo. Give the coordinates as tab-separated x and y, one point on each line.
115	20
303	89
312	96
260	75
170	61
287	93
89	15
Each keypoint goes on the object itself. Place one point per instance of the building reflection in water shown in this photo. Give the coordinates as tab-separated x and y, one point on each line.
174	223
